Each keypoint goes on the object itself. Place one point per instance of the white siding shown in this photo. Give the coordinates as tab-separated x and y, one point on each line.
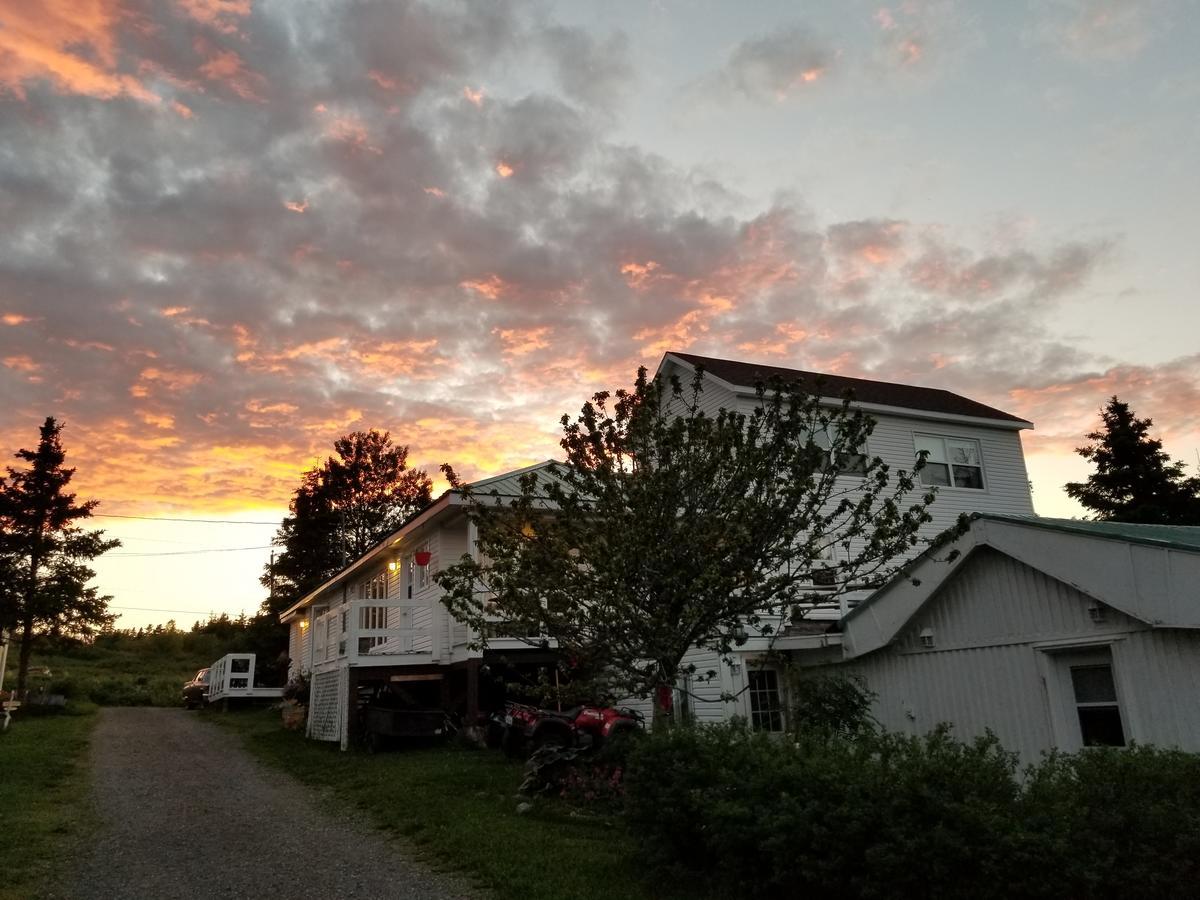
1006	481
298	646
997	627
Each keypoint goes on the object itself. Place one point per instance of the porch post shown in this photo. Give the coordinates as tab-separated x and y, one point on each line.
473	666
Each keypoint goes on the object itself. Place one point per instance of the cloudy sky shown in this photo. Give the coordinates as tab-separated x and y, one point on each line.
234	230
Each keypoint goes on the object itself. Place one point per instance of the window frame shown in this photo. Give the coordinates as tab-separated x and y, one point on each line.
773	713
931	436
825	437
1056	661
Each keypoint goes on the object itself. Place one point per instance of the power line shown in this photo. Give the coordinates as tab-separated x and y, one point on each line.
169	519
186	552
193	612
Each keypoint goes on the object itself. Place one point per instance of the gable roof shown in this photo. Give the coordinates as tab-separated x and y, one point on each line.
1182	537
1150	573
506	484
863	390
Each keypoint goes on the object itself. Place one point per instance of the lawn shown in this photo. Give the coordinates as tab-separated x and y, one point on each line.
459	807
43	798
112	677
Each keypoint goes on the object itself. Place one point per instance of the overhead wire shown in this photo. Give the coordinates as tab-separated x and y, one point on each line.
186	552
172	519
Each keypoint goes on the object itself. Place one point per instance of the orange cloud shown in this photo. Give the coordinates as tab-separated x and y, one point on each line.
228	68
71	44
473	97
504	170
491	287
296	207
223	15
521	341
14	319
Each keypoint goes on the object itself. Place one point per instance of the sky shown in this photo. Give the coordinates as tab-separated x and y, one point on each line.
232	231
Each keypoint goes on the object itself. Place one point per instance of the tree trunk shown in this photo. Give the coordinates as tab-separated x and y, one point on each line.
23	657
35	563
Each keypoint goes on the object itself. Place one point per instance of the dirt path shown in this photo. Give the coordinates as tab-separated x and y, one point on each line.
186	813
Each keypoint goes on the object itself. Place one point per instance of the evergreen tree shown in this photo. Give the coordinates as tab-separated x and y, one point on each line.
668	528
46	552
1135	480
342	509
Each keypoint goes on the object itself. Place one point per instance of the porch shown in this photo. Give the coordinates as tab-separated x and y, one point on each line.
394	632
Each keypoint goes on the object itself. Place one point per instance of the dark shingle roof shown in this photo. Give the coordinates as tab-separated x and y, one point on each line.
1183	537
863	390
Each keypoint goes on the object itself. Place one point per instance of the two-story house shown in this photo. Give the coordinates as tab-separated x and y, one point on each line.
379	622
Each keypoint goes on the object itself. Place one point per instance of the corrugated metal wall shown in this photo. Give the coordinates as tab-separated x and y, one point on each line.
997	627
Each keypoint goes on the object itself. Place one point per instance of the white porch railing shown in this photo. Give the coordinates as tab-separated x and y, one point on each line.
378	632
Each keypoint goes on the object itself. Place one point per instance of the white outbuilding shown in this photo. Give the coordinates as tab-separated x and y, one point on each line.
1049	632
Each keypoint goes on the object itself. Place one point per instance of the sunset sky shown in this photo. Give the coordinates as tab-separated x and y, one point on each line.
231	231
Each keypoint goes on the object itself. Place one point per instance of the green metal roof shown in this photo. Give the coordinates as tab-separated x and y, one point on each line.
1182	537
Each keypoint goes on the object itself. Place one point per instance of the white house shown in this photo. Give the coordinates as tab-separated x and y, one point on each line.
1050	632
380	622
975	460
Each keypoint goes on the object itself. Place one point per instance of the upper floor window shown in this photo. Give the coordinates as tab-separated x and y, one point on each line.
952	461
848	461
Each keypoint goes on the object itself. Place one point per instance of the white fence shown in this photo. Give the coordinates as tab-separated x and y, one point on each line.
233	676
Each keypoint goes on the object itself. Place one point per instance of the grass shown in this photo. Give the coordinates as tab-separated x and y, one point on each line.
112	677
43	798
459	807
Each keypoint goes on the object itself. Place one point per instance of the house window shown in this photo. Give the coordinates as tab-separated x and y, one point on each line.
845	462
950	461
766	711
375	588
682	708
1096	705
423	572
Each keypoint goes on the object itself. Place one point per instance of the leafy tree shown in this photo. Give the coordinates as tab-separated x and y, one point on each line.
342	509
1135	480
46	552
668	527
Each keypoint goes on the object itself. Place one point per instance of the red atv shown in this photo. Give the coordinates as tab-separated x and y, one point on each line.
528	728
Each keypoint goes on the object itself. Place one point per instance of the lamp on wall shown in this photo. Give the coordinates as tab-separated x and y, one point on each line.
391	565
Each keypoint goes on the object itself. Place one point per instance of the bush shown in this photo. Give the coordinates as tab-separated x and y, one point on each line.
887	815
1112	823
880	817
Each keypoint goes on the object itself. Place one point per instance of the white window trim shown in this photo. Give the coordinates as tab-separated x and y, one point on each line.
750	693
1054	661
983	476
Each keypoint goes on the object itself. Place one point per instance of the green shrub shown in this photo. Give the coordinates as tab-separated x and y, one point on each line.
886	815
1112	823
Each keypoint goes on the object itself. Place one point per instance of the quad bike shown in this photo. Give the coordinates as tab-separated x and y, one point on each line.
528	729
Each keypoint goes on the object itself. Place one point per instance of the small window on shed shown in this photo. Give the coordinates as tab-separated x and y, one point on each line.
1097	707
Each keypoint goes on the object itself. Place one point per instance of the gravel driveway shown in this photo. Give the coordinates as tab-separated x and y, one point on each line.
186	813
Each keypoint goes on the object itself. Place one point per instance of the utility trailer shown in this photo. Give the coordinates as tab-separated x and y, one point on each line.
232	677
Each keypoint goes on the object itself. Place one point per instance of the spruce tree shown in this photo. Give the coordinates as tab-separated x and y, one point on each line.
342	509
46	553
1135	480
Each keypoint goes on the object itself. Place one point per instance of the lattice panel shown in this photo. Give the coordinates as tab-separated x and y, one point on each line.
324	724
